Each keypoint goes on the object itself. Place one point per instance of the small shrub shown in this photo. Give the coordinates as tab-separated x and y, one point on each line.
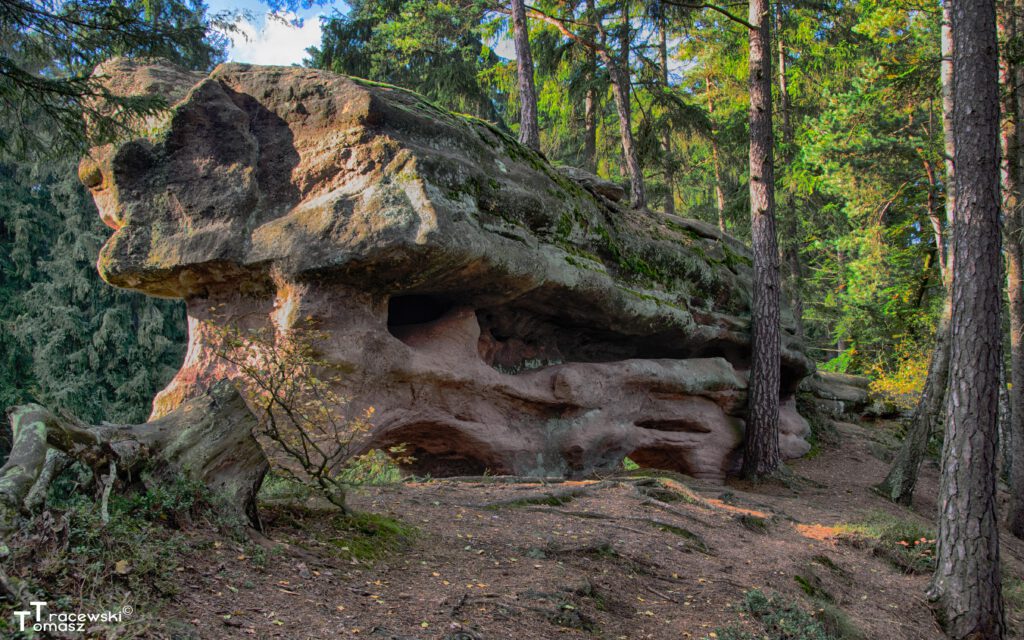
901	385
909	546
779	619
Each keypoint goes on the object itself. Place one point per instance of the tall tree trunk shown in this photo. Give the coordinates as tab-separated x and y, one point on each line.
590	102
590	131
529	131
761	441
935	220
618	70
1012	439
946	75
967	581
670	177
792	230
716	164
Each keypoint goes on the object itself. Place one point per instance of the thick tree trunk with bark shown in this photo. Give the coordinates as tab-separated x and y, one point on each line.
967	577
1012	439
791	244
529	130
209	440
761	442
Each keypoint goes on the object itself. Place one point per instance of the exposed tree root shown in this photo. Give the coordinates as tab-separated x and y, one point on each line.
208	440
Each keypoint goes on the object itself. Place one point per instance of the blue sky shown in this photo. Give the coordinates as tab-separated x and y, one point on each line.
264	40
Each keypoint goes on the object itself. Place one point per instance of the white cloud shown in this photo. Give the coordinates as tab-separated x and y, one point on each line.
274	40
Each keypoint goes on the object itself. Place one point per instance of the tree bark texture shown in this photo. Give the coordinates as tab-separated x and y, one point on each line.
529	130
761	441
1013	238
967	577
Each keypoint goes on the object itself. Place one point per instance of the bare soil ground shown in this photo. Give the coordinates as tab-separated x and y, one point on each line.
615	558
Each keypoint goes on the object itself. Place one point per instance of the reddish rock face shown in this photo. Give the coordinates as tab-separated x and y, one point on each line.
498	316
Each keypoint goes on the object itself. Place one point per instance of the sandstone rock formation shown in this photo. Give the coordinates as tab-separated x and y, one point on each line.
839	395
498	316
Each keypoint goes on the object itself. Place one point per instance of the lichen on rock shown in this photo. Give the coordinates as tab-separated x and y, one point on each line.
497	314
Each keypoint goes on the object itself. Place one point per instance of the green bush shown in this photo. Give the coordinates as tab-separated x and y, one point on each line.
778	618
906	544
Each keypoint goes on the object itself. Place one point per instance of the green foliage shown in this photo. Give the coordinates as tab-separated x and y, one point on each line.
779	619
131	559
70	341
50	48
356	536
311	434
436	49
906	544
369	536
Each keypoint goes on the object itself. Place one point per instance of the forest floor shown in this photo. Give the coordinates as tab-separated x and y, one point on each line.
628	557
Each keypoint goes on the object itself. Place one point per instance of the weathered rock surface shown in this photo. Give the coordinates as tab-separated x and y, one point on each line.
498	316
839	395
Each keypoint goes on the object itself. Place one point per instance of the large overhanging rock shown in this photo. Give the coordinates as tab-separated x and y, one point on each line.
498	316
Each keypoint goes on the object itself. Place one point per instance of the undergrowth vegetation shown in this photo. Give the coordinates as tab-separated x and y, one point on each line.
907	545
70	557
777	619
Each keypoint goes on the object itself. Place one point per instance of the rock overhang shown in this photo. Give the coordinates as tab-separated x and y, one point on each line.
261	182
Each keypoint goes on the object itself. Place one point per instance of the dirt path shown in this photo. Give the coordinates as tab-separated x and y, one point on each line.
628	558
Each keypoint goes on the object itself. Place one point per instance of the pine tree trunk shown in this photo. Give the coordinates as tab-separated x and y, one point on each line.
761	441
529	131
716	165
938	232
792	228
967	581
618	70
946	76
590	103
1012	439
670	178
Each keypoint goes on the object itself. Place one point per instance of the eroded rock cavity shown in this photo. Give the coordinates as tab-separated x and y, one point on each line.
497	315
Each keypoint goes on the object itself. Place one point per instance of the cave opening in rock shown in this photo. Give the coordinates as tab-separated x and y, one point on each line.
678	425
661	458
442	450
416	309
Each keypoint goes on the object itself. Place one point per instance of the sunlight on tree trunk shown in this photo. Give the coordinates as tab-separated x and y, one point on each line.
761	442
529	131
967	580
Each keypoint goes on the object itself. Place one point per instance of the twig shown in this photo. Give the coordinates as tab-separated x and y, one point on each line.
661	595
